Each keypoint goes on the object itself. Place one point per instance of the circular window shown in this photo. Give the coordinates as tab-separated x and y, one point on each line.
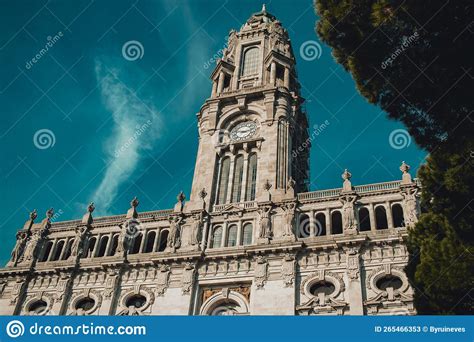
85	304
137	301
38	307
389	281
322	287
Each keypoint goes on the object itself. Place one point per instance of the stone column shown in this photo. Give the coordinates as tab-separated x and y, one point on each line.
239	233
388	209
52	251
157	240
272	73
354	290
373	225
327	214
220	82
244	177
214	88
230	183
287	78
205	235
110	243
224	234
312	224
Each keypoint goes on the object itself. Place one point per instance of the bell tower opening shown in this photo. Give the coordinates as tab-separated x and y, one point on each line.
252	125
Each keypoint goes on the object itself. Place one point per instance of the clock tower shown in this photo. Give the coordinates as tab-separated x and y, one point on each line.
252	127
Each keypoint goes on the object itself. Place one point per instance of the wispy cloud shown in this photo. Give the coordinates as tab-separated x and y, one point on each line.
136	125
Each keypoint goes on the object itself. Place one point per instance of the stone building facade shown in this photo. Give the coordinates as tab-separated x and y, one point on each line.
251	240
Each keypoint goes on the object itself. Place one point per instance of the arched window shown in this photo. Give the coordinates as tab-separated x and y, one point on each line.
232	236
150	242
247	234
320	224
237	182
224	180
46	250
250	61
67	253
216	237
58	250
163	240
90	247
336	222
114	245
103	246
251	177
381	217
136	244
397	215
364	219
304	226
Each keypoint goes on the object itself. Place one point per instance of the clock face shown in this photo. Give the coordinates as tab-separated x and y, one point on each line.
243	131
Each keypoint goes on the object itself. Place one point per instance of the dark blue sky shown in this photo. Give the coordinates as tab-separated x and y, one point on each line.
90	100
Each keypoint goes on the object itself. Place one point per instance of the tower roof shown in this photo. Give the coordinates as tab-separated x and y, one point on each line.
261	17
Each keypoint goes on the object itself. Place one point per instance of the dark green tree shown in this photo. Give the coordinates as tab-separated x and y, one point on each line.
415	60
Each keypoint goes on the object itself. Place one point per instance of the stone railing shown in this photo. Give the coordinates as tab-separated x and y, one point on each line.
320	194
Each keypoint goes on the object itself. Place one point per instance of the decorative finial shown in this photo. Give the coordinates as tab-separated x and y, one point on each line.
181	197
203	193
267	186
50	213
91	207
134	203
264	8
33	215
346	175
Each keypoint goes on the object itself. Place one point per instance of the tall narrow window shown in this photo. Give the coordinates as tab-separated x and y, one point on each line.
397	215
90	248
237	183
232	236
247	234
58	250
67	253
224	180
163	240
103	246
381	217
136	244
364	220
250	61
114	244
251	177
46	250
320	224
150	242
336	222
216	237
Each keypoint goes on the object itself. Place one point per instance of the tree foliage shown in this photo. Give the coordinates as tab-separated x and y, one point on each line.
415	60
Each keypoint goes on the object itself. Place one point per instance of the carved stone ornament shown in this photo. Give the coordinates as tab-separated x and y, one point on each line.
110	283
48	298
289	220
288	270
261	274
88	292
353	264
410	204
132	310
174	240
187	279
162	280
